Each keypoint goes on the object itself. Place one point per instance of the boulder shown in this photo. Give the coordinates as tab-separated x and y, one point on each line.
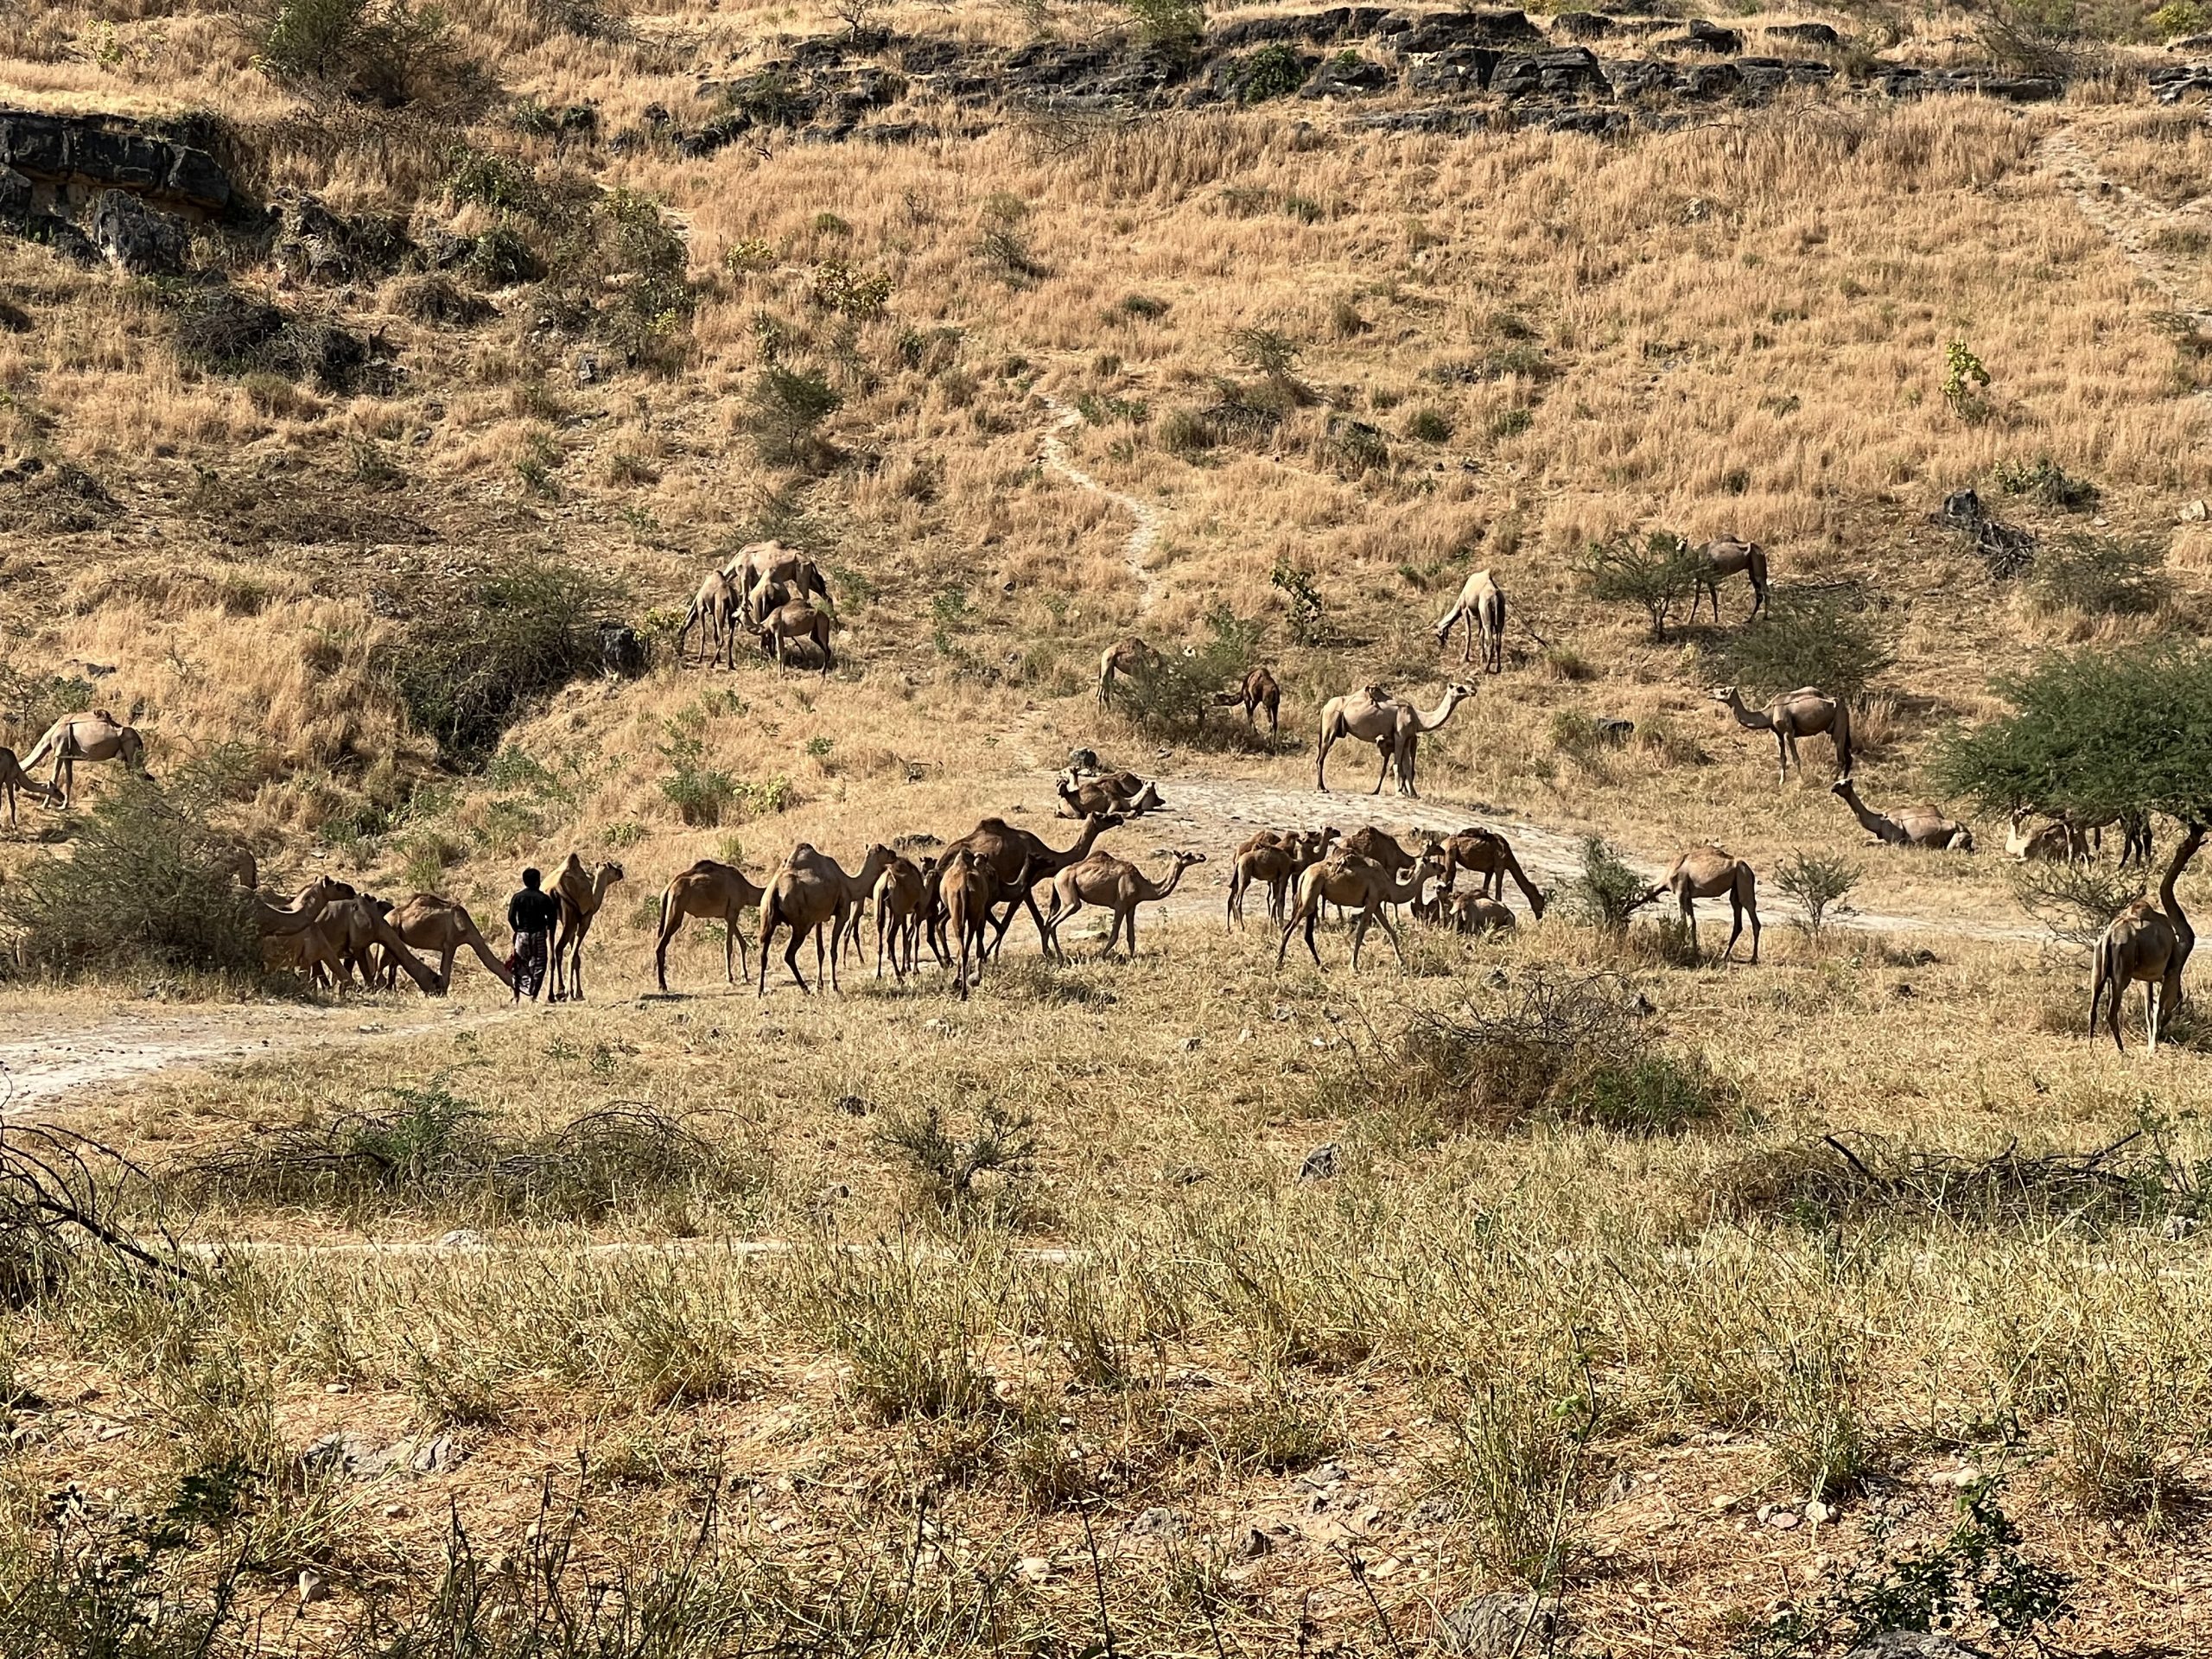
1810	33
1320	1164
621	653
1583	25
15	198
138	240
1701	36
1564	73
1501	1624
1346	75
101	149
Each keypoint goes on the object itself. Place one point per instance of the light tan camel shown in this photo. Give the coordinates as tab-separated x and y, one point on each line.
1723	559
712	609
2148	942
429	923
1349	882
1122	657
581	893
360	931
1258	692
901	900
1103	879
1921	826
94	737
2055	842
1124	792
307	950
718	891
1471	913
757	560
1010	852
13	778
797	620
1802	713
1489	857
811	893
1373	715
1275	857
1707	871
801	580
1481	606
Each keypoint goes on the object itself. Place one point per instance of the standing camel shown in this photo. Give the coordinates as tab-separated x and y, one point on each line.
581	893
1489	857
1010	852
427	922
710	612
1707	871
1481	605
1921	826
1723	559
1258	692
1802	713
1373	715
967	886
717	891
13	778
797	620
1122	657
1103	879
2150	942
94	737
812	892
901	898
1349	882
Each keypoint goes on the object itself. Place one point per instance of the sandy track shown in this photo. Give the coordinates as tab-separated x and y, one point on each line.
1142	539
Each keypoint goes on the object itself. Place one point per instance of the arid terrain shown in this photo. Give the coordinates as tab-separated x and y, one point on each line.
377	384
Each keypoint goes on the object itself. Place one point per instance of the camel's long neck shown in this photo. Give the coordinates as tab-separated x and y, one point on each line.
1756	720
1162	889
1872	822
2168	899
1436	717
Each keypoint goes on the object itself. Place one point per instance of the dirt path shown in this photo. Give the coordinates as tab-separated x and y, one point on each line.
1144	537
2131	222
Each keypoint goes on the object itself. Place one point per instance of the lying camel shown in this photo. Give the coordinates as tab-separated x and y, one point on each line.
1372	714
1723	559
429	923
1349	882
581	893
1471	913
1707	871
1481	605
1489	857
812	892
13	778
1124	792
1802	713
1127	655
2055	842
1103	879
1920	826
1258	692
717	891
94	737
797	620
2148	942
712	609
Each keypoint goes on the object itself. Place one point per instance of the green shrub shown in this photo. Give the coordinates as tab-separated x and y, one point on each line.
1178	25
1276	70
1657	574
1819	881
1429	426
786	410
2100	576
1144	306
1303	599
2046	481
1829	637
619	264
387	52
1606	890
1170	689
1516	1468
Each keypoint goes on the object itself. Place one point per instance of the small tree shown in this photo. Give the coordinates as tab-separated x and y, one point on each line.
787	409
1165	690
1964	378
1178	25
1273	355
1606	890
1824	636
1819	881
1657	574
1303	598
2101	576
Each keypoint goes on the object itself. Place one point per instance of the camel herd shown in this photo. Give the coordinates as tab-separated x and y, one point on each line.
766	590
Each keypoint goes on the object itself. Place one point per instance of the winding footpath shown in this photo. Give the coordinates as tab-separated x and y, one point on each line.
1144	537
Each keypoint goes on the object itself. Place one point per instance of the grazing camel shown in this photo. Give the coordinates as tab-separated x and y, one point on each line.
812	892
1258	692
1481	605
1723	559
1707	871
1275	857
712	608
97	736
1802	713
1489	857
800	579
581	893
797	620
1921	826
1122	657
1372	714
901	901
2150	942
360	926
429	923
1103	879
1010	852
717	891
758	562
13	778
2055	842
1349	882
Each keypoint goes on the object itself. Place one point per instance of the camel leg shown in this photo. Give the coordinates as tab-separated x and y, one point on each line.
1321	760
1359	934
1689	916
791	957
1735	928
1235	893
1128	924
1390	932
1389	758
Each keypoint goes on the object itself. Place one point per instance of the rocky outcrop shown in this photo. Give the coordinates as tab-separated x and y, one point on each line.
82	154
138	240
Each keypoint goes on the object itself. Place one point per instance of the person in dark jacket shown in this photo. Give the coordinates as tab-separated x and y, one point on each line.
532	914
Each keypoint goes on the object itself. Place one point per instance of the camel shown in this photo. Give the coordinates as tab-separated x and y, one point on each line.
1921	826
1481	605
717	891
581	893
1471	913
358	928
1489	857
1103	879
307	948
1723	559
777	589
797	620
13	778
1802	713
2055	842
967	886
1258	692
1349	882
2150	942
1122	657
1124	792
758	562
901	904
1372	714
712	608
97	736
1008	852
811	892
1707	871
1275	857
429	923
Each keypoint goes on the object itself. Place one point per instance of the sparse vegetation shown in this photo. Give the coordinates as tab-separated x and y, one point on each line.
1831	638
1819	881
1657	574
2100	576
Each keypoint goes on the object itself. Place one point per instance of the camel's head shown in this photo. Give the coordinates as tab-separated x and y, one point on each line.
1188	859
1841	786
1963	841
1460	691
1723	694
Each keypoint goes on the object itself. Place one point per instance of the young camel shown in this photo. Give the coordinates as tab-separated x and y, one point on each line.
1723	559
429	923
901	900
1489	857
711	612
97	736
1481	605
1802	713
581	893
1122	657
1707	871
1349	882
1258	692
2150	942
1103	879
812	892
1471	913
718	891
797	620
13	778
1373	715
2055	842
1920	826
1275	857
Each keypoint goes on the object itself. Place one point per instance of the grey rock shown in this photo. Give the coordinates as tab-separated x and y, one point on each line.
1346	76
15	196
1432	1511
621	653
1248	1543
1158	1522
350	1454
138	240
1811	34
1501	1624
1907	1645
1702	36
586	367
1320	1164
1583	25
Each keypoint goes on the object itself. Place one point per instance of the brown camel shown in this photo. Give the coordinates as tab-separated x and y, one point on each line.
1349	882
966	887
1258	692
1921	826
1124	792
307	950
712	608
1802	713
1275	857
1010	852
901	904
94	737
581	893
1122	657
2148	942
759	560
1707	871
797	620
1723	559
778	589
13	778
812	892
1103	879
1471	913
719	892
429	923
360	931
1373	715
2055	842
1481	605
1489	856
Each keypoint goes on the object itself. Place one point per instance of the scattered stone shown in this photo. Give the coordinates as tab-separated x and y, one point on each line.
1819	1513
1432	1511
313	1586
586	368
1248	1543
1320	1164
1158	1522
1501	1623
1907	1645
1346	75
464	1238
2195	513
1810	33
1785	1520
138	240
1032	1569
